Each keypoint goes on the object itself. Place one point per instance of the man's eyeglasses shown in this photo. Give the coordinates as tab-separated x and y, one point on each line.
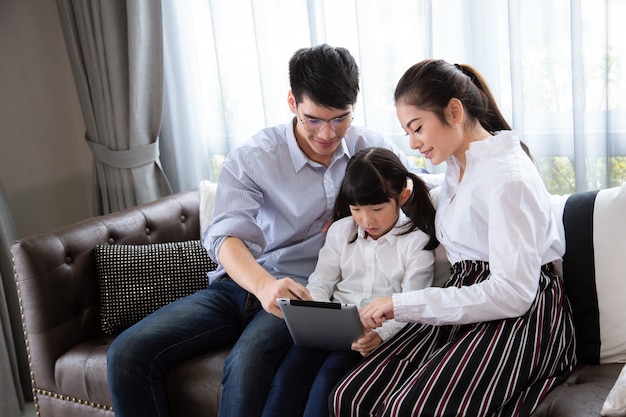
338	124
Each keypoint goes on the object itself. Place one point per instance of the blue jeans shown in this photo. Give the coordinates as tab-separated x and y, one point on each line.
305	380
221	315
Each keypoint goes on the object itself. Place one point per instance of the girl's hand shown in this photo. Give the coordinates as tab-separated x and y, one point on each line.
367	343
374	314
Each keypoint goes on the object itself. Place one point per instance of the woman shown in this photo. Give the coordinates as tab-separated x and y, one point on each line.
499	335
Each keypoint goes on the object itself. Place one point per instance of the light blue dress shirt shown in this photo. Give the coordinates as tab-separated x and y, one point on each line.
277	201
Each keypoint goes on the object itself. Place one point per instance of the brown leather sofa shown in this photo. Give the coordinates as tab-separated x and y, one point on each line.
58	290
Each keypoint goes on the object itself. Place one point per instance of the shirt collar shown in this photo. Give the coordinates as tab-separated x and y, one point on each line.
392	235
501	142
498	144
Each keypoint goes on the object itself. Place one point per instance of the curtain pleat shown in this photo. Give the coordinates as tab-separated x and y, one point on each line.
115	48
14	372
11	398
578	96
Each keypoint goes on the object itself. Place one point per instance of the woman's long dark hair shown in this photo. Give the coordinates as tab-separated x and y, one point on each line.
432	83
375	176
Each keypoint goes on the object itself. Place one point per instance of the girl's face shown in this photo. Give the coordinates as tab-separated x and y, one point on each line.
435	140
376	219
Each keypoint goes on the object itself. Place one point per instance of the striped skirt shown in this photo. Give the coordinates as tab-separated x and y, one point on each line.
496	368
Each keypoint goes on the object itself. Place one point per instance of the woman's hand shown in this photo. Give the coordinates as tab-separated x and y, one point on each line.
367	343
374	314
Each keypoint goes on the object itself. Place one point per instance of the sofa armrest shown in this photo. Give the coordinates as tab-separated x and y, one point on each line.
57	280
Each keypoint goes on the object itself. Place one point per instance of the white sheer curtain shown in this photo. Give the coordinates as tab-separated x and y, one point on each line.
556	69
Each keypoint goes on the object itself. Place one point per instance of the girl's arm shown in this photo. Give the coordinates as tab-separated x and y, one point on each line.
419	264
419	267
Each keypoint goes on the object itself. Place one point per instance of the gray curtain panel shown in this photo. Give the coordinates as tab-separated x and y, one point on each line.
14	374
116	52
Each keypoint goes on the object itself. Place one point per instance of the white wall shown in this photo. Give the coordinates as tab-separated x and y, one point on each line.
45	164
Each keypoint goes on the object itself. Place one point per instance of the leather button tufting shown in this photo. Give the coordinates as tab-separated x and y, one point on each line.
68	259
111	241
148	230
183	218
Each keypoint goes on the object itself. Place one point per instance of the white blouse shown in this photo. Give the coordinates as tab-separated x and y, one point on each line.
501	213
365	269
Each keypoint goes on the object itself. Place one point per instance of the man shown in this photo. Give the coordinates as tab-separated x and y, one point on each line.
274	199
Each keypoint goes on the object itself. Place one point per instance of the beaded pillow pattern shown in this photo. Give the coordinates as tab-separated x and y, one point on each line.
136	280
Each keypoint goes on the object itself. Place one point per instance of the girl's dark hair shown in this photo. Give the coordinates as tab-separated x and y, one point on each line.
375	176
328	76
432	83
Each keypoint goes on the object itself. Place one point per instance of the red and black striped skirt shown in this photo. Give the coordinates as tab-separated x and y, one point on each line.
496	368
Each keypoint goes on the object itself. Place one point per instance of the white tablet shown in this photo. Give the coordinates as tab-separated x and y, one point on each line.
321	325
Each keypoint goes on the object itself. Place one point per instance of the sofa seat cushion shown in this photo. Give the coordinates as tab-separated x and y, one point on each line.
615	403
81	371
582	394
193	388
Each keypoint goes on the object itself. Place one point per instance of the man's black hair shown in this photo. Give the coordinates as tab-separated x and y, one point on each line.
328	76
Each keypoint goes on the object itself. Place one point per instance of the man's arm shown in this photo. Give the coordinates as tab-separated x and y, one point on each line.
241	266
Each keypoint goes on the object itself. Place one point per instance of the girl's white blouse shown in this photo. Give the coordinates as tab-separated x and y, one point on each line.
365	269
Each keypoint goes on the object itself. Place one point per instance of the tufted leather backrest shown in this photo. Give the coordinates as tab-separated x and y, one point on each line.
56	273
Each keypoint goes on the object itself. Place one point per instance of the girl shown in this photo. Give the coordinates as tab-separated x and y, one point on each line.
499	335
371	250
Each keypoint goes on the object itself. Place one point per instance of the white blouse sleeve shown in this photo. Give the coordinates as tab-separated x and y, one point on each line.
517	224
419	266
327	273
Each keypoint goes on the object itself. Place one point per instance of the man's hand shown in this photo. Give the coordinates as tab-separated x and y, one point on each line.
327	225
367	343
243	268
271	289
374	314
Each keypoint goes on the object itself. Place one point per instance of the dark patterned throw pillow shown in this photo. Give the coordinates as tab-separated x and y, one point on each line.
136	280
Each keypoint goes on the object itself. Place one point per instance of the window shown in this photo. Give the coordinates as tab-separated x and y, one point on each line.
555	68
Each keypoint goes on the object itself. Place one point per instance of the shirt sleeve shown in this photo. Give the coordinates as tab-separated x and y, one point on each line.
419	265
237	203
389	329
517	223
327	273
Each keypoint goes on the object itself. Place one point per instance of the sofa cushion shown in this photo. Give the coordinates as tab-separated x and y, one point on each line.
135	280
194	387
81	372
595	225
581	394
